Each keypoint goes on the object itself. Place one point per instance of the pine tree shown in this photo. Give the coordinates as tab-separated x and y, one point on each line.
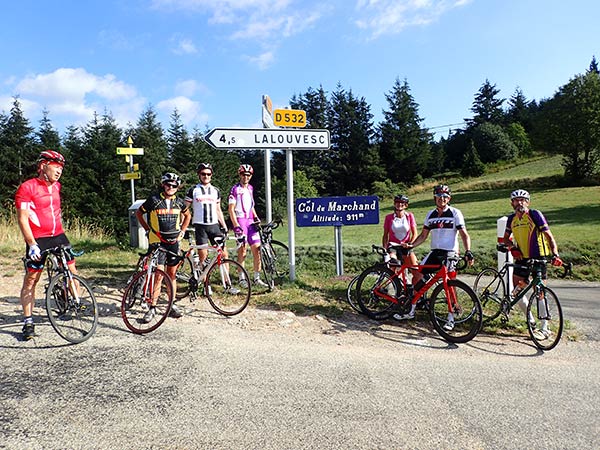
404	145
486	106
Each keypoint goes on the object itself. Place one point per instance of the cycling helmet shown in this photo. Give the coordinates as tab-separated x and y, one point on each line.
170	177
520	193
441	190
204	166
401	198
49	156
246	168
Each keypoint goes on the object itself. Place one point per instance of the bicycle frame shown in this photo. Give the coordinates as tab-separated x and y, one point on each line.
199	272
536	281
441	275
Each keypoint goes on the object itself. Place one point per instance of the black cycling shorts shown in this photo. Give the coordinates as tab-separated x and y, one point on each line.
523	269
438	257
45	243
167	258
206	233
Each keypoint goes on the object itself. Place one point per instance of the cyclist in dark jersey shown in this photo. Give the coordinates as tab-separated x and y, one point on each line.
167	220
39	217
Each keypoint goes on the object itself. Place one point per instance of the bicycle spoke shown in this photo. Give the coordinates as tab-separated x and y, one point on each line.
371	288
490	289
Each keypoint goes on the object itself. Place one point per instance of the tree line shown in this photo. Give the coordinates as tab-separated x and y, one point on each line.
365	158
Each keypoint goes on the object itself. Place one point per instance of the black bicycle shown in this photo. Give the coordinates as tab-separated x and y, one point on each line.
544	313
70	301
274	255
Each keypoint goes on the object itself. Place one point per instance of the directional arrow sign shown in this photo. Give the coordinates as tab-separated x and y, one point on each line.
268	138
130	176
129	151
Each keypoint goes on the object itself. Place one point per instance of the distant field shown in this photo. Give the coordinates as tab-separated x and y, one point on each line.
573	214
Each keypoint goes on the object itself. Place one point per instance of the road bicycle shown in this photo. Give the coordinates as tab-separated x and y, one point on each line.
544	313
213	279
148	297
274	255
454	309
70	301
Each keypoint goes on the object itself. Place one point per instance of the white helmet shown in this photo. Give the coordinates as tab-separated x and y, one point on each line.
520	193
170	177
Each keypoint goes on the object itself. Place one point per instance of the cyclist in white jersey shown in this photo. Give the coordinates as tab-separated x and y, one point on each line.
444	223
205	201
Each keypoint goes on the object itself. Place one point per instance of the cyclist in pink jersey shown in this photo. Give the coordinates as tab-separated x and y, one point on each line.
39	217
243	216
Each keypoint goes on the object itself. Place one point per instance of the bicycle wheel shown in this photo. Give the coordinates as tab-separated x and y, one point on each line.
74	317
281	263
185	279
222	295
490	289
547	325
352	295
466	311
375	279
267	262
142	296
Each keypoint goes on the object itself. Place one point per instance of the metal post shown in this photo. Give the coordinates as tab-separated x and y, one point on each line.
268	202
131	183
339	252
504	257
289	163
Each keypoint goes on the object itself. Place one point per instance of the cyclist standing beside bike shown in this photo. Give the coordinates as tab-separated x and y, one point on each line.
531	238
167	221
243	215
40	221
445	223
400	227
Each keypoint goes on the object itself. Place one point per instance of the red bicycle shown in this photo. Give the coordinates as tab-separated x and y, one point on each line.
454	309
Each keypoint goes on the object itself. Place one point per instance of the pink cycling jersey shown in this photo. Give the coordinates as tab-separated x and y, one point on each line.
43	205
243	199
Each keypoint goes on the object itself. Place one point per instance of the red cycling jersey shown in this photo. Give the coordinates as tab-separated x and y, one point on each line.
43	204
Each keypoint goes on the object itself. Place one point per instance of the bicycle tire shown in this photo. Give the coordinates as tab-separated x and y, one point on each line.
267	262
137	300
219	280
547	327
468	317
371	304
281	266
185	279
490	289
352	294
74	320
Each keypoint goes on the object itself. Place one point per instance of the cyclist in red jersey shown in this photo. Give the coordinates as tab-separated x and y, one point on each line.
39	217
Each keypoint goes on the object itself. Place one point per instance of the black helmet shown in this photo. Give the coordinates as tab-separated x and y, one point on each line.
204	166
442	190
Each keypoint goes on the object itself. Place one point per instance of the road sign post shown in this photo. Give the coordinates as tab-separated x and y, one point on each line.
261	138
133	173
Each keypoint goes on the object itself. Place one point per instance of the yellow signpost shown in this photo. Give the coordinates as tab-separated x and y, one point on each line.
289	118
133	169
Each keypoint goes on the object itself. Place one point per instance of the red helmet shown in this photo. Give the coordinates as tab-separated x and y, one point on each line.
51	156
246	168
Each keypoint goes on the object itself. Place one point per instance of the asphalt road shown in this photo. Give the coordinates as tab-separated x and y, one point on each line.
273	380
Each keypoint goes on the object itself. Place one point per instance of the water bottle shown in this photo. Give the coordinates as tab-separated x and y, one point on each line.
196	259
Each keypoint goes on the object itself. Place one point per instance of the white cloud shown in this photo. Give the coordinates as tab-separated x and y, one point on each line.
75	84
72	95
188	109
381	17
185	46
189	88
262	61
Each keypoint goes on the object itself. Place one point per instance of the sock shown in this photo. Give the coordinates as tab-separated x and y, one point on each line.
256	275
27	320
522	304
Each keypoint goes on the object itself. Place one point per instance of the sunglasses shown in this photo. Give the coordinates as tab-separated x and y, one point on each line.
172	186
205	174
246	174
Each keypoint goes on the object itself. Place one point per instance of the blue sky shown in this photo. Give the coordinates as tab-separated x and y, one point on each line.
214	59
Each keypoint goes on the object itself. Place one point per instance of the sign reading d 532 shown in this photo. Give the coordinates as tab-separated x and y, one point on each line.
289	118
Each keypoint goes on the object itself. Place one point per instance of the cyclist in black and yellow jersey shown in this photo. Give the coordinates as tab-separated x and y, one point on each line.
167	220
